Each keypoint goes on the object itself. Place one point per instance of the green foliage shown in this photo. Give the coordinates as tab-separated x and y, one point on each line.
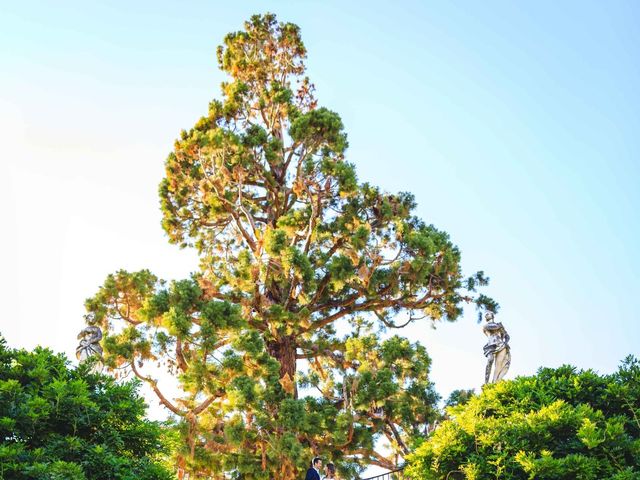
293	249
70	424
558	424
459	397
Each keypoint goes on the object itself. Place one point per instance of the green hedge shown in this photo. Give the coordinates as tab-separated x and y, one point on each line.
69	424
559	424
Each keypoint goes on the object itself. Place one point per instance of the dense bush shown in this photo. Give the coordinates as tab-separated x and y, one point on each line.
559	424
69	424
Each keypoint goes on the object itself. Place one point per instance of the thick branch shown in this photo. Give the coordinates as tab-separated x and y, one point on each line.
398	438
182	362
203	406
374	458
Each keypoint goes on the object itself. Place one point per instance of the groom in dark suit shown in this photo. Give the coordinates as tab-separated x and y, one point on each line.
314	472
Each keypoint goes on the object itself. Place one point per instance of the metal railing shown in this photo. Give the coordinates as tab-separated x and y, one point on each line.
393	475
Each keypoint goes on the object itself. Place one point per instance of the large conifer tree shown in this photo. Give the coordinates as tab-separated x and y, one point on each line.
276	339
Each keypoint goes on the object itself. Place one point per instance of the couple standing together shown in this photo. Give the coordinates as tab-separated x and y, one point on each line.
316	470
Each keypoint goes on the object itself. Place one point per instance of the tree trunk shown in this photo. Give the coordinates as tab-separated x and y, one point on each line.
284	350
287	470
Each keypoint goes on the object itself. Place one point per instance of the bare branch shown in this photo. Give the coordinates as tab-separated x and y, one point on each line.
154	386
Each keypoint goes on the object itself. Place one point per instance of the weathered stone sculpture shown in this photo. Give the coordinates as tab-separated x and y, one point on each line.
89	343
496	350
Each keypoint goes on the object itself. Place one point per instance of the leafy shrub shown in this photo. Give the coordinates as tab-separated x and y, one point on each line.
559	424
70	424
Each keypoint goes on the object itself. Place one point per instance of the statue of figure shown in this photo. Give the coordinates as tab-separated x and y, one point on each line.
496	350
89	343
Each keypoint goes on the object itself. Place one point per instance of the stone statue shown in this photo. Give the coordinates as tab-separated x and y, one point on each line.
496	350
89	343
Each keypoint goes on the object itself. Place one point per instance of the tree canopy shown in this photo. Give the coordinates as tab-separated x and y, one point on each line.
301	266
59	423
559	424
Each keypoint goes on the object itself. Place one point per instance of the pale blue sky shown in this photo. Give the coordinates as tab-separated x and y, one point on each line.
515	124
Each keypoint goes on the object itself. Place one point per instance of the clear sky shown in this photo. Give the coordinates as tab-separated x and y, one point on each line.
515	124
